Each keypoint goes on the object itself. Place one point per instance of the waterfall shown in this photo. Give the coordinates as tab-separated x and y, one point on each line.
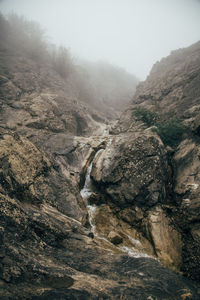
86	192
87	189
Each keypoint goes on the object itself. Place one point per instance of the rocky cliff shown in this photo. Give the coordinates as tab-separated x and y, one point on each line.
90	210
47	252
167	105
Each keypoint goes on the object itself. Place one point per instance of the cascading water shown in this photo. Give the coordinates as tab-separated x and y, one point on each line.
87	189
86	192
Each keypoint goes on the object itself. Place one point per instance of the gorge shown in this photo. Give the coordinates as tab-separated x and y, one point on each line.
98	202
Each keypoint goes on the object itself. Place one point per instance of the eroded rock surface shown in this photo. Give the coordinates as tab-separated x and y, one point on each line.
187	191
146	195
133	170
171	91
152	187
134	175
29	176
46	253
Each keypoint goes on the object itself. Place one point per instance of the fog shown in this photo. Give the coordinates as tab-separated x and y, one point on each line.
132	34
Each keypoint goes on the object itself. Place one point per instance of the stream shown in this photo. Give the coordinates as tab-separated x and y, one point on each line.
86	192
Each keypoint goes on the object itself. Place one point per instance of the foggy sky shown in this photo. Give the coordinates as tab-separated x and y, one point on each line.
132	34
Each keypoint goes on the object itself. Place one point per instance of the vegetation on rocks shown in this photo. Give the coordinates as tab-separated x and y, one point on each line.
170	132
145	115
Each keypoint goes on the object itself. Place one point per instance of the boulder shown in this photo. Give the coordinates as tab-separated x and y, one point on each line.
115	238
133	170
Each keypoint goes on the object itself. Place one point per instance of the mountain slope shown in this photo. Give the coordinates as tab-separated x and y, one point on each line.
168	104
52	244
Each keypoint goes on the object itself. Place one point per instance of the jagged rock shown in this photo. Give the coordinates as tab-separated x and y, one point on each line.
166	239
133	170
44	258
132	216
187	163
187	188
38	104
172	84
171	89
28	175
108	222
45	251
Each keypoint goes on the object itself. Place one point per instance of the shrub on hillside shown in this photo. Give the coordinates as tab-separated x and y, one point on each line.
27	37
61	61
171	132
145	115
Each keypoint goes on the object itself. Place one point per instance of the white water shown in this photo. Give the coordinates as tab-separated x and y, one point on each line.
86	191
105	132
134	241
132	252
91	211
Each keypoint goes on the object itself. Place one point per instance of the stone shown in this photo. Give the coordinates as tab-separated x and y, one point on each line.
28	176
133	170
115	238
166	240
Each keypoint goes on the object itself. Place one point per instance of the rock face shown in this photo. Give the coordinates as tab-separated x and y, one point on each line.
187	187
42	113
146	195
172	84
30	177
171	91
165	238
134	175
45	250
133	170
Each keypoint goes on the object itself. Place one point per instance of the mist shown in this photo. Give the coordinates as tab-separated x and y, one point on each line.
128	33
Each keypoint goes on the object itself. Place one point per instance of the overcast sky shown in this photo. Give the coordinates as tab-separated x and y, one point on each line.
132	34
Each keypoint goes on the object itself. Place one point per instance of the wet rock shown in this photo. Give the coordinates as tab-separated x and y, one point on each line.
95	199
109	223
115	238
165	238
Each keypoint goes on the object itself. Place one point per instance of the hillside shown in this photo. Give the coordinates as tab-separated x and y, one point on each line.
171	89
168	103
93	209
